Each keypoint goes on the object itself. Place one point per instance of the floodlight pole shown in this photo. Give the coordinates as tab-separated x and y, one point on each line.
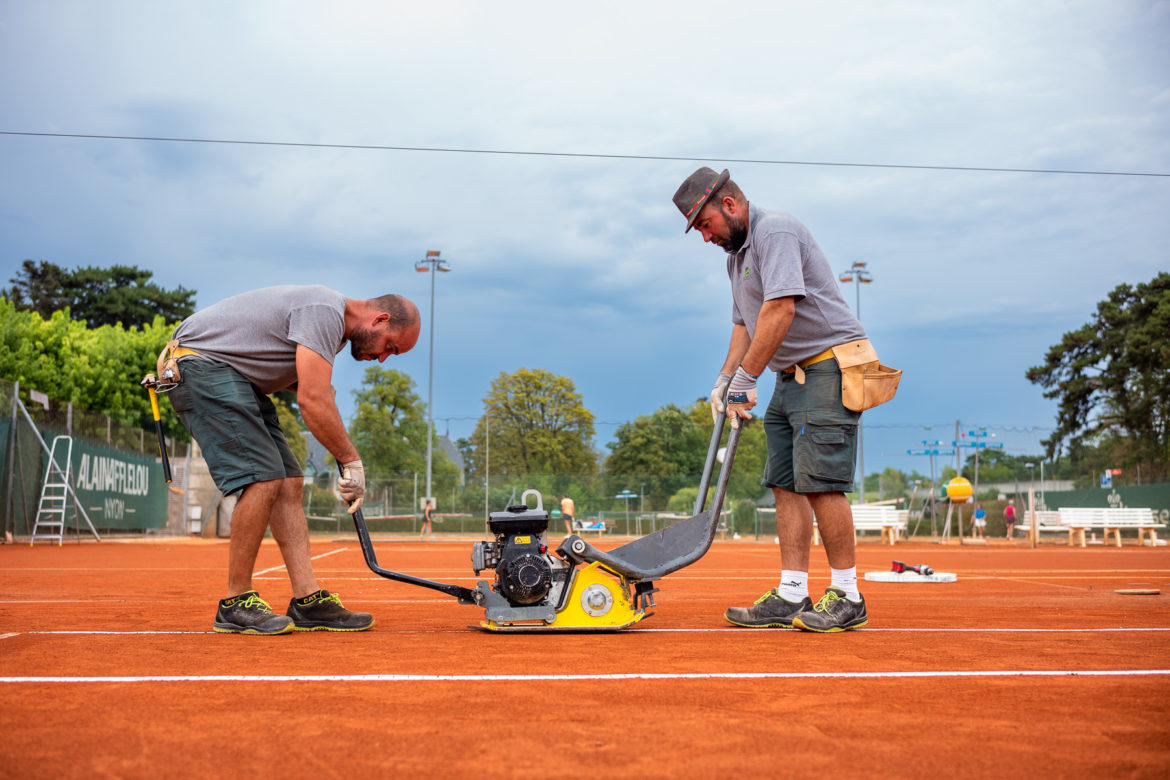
431	263
857	274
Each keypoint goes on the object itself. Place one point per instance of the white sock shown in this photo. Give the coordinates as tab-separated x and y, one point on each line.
846	580
793	585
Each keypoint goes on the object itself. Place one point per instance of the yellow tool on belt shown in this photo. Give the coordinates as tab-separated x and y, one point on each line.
166	379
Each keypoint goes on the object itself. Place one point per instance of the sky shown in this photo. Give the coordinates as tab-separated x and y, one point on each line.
566	252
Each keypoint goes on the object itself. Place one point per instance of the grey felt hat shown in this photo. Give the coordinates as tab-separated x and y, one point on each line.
695	191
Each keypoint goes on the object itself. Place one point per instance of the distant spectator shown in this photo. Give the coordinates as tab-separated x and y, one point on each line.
567	511
428	517
980	521
1009	519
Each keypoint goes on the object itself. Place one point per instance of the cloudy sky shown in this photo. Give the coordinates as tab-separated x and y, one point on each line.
567	253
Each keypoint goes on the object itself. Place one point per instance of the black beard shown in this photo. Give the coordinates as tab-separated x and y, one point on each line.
361	343
737	234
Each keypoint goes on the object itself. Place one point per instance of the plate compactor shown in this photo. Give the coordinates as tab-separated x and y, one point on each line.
580	588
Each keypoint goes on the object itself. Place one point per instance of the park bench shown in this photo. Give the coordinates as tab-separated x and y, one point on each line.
889	521
1111	521
579	528
1047	520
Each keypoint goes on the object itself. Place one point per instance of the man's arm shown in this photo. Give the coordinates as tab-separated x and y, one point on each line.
315	400
740	342
771	328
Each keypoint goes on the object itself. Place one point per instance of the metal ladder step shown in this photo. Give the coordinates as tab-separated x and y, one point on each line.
52	505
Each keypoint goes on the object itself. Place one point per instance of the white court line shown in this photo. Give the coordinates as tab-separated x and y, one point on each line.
8	636
69	601
315	557
365	678
743	632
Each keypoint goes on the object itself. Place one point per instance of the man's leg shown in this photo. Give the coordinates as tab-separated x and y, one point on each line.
243	611
249	521
794	522
794	525
311	608
291	531
842	606
835	519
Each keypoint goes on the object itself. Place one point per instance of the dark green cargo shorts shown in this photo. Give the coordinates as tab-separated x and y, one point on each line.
235	424
812	437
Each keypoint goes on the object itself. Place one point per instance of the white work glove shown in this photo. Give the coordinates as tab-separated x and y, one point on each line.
717	396
352	484
741	396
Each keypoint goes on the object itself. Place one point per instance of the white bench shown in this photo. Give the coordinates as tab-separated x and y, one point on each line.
580	529
1047	519
1078	519
888	520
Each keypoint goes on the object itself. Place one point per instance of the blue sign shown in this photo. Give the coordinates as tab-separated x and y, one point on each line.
1106	480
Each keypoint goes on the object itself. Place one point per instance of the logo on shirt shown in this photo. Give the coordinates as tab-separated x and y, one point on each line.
747	271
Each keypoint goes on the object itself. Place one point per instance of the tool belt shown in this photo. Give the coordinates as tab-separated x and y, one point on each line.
799	368
168	365
865	382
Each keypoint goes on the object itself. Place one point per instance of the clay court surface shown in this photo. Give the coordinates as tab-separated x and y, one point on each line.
1028	665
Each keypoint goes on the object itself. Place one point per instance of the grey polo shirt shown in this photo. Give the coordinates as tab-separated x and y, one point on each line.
257	332
781	259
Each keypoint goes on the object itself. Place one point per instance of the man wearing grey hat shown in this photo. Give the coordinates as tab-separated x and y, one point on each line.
787	314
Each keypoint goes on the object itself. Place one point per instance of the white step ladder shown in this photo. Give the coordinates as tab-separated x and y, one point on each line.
54	494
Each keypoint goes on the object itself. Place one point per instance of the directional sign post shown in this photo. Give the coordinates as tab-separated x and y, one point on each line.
932	449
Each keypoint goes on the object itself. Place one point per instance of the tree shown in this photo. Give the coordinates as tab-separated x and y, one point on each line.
98	369
660	453
1111	377
539	425
663	453
99	296
389	427
39	288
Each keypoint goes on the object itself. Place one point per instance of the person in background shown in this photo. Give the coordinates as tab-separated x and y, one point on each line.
978	521
1009	519
567	511
428	518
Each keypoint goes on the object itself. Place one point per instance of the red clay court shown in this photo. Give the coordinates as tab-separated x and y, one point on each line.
1030	664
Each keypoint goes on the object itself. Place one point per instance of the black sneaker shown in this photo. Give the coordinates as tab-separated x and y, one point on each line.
323	611
832	613
247	613
770	611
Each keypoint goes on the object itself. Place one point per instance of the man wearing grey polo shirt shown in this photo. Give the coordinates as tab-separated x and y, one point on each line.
787	313
229	357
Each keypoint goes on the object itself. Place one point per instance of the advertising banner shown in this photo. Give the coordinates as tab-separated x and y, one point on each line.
117	489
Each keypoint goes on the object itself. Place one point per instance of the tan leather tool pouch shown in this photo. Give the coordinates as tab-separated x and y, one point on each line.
168	365
865	382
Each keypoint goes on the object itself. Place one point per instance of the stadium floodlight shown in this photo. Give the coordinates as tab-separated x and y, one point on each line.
431	263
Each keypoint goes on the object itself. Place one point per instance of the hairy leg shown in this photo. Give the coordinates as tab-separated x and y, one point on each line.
249	521
291	531
835	521
794	522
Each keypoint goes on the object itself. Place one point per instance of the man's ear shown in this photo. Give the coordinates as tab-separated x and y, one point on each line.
731	205
380	317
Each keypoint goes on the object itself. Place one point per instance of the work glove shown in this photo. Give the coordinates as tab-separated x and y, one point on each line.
352	484
717	396
741	396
